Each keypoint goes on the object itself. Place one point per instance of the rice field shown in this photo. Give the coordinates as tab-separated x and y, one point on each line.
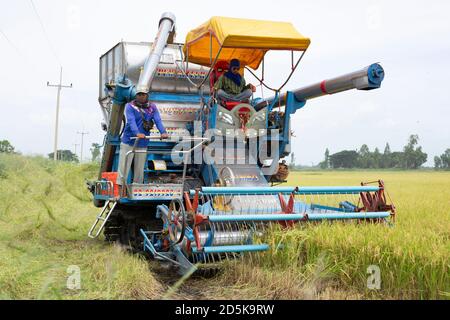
45	212
413	256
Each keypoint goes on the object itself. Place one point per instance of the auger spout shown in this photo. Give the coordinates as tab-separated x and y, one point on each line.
166	27
367	78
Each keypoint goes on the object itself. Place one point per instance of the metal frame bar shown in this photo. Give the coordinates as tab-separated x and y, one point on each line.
109	189
284	190
231	249
185	153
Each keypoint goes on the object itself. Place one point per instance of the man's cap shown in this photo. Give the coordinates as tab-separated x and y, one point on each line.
141	89
235	63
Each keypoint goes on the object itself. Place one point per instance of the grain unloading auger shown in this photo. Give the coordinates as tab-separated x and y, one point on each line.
190	211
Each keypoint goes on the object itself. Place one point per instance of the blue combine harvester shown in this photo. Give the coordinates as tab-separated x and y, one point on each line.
209	190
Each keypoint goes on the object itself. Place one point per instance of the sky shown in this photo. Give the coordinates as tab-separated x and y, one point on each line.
410	39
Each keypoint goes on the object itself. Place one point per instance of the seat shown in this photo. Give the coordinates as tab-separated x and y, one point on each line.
229	105
220	68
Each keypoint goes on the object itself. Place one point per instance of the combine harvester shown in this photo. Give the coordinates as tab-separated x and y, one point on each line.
189	212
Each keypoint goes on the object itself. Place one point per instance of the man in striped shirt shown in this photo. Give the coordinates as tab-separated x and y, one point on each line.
231	85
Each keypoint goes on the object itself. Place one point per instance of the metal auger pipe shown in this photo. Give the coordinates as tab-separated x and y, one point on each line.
349	215
255	217
166	26
367	78
285	190
221	238
297	216
231	249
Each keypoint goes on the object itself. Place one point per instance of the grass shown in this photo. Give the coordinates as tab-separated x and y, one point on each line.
43	224
45	212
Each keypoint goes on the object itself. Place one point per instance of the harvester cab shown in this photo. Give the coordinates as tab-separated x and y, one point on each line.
208	190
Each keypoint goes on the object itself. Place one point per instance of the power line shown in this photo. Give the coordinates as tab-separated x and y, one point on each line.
45	32
34	66
10	42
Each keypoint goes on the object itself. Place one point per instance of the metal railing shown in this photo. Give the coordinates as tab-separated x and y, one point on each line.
185	153
104	189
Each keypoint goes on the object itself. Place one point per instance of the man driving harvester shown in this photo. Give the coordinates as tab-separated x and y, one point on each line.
231	85
140	116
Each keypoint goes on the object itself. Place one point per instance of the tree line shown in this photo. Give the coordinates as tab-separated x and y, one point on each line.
67	155
62	155
442	161
412	157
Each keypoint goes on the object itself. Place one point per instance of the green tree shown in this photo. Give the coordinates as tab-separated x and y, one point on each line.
397	159
65	155
6	147
445	159
376	159
437	162
344	159
413	155
364	157
95	151
325	164
386	161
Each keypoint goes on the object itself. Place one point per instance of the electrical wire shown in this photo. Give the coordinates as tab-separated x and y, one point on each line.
10	42
20	53
52	49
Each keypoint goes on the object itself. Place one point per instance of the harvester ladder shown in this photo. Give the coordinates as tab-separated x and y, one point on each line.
103	216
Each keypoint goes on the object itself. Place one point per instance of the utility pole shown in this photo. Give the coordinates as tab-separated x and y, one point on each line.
82	140
76	145
59	86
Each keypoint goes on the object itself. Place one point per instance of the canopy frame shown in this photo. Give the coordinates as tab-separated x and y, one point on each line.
300	43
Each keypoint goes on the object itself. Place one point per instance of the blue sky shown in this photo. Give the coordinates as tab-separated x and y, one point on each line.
411	39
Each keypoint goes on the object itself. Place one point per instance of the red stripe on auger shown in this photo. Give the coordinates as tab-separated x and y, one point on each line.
322	87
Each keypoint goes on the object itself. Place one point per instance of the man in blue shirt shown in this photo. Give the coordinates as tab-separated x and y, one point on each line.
140	115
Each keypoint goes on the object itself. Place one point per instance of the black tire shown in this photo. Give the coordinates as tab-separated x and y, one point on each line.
125	223
99	203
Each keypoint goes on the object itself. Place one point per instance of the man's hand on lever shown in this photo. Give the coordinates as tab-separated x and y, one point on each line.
141	136
164	136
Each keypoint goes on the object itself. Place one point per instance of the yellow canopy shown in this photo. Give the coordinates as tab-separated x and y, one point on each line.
243	39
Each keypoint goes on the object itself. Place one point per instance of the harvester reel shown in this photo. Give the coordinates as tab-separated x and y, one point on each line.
176	221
